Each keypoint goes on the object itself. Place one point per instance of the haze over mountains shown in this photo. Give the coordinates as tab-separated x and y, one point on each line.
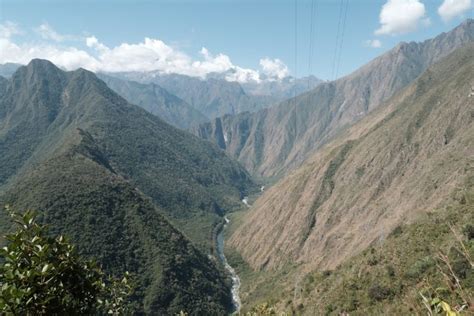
215	96
157	101
272	141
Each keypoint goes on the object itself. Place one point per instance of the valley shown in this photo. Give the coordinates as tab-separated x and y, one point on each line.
182	183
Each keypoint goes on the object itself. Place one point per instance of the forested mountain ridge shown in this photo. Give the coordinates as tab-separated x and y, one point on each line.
117	179
43	105
80	195
274	140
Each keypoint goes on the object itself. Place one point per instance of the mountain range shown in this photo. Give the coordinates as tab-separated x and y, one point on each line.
408	164
369	180
214	96
157	101
117	179
274	140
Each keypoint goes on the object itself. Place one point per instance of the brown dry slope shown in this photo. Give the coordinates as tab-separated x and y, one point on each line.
388	169
272	141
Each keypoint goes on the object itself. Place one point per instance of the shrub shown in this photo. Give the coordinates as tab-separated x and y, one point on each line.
43	275
469	231
379	293
419	267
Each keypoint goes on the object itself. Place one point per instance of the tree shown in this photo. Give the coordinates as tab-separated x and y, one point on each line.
44	275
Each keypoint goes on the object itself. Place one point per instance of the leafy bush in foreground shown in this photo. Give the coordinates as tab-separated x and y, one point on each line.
43	275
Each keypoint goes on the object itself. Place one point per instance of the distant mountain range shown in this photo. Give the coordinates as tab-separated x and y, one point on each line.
157	101
117	179
272	141
215	96
185	101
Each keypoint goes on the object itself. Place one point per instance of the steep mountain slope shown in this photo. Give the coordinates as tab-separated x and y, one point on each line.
80	195
401	161
157	101
213	97
279	138
187	177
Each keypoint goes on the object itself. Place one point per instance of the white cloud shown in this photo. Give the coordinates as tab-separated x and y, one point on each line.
47	32
8	29
274	68
93	42
401	16
148	55
242	75
450	9
375	43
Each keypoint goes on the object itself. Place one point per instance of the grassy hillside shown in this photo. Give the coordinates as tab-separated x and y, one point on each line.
392	169
387	278
399	162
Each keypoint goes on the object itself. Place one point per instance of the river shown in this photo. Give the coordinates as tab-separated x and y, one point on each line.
235	278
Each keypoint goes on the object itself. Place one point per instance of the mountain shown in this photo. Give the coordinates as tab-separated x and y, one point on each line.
277	139
8	69
157	101
81	196
184	101
410	161
285	88
213	96
105	171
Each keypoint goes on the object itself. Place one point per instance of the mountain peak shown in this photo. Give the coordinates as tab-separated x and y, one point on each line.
38	64
38	70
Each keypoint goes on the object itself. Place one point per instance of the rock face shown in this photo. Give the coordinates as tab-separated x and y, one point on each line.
403	159
275	140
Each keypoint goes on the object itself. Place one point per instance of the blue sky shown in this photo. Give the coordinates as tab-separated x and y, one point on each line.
243	31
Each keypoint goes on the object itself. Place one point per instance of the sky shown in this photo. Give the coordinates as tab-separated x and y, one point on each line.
247	39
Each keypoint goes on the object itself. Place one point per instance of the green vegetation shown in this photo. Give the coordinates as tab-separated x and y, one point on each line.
184	176
43	275
108	219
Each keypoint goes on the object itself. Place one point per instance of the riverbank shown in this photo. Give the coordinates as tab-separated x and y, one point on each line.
235	289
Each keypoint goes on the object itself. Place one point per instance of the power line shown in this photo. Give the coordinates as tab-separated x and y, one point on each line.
310	53
342	38
296	64
336	48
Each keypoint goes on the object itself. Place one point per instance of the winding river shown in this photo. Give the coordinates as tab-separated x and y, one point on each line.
235	278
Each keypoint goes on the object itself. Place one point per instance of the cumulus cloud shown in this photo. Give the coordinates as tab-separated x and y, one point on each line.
375	43
401	16
450	9
274	68
148	55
